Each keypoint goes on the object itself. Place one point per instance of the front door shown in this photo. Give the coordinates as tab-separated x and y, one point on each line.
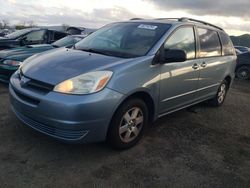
179	81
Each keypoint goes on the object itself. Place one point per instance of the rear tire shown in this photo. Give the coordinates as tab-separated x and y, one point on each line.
243	73
128	124
220	97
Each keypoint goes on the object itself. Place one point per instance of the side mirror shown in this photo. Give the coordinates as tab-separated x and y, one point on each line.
174	55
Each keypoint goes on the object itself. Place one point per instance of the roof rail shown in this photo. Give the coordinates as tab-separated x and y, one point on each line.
167	19
136	19
184	19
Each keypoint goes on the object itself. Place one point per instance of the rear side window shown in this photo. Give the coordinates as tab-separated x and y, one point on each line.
183	39
227	47
209	43
58	35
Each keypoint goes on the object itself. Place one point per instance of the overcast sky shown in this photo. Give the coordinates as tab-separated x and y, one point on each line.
232	15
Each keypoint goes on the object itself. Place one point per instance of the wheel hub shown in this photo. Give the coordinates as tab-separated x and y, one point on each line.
131	124
243	73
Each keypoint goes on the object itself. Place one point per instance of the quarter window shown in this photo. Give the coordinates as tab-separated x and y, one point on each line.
209	43
182	39
226	43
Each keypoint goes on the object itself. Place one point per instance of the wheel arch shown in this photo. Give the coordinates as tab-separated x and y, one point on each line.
228	78
143	95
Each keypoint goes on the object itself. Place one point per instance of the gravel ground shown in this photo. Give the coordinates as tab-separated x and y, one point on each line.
197	147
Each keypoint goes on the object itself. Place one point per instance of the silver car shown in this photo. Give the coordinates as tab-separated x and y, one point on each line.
116	81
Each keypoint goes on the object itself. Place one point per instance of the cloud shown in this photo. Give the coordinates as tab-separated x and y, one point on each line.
237	8
231	15
19	12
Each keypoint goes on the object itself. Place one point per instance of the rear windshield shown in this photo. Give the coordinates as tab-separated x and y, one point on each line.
124	39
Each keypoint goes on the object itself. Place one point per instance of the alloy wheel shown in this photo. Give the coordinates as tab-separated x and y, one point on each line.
222	93
131	124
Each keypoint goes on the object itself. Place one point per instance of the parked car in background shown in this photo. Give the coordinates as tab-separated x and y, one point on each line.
75	30
11	59
5	32
242	49
238	51
122	77
30	36
80	31
243	66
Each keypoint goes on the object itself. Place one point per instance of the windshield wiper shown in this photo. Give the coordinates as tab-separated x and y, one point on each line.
55	46
94	51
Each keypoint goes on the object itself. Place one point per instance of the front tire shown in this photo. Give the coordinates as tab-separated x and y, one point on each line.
220	97
128	124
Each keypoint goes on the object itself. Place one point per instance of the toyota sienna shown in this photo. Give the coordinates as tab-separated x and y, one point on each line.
116	81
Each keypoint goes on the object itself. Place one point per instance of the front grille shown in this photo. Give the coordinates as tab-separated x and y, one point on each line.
36	85
53	131
40	86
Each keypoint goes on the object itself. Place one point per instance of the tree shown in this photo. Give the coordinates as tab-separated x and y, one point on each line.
5	24
31	23
24	24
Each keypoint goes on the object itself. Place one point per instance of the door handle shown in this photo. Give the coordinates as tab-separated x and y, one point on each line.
203	64
195	66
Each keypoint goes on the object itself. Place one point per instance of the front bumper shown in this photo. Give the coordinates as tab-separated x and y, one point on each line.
70	118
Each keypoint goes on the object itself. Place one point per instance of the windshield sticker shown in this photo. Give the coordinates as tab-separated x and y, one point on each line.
151	27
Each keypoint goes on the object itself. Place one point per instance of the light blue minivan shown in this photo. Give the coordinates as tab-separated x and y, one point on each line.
116	81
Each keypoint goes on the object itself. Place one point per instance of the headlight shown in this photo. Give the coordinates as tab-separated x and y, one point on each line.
13	63
85	84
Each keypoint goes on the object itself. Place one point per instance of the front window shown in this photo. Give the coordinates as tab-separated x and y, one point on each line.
35	35
124	39
182	39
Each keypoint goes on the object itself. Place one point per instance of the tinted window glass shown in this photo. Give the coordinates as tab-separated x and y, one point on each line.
35	35
58	35
242	49
183	39
244	55
209	43
227	45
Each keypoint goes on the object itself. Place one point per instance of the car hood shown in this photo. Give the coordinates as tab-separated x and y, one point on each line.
22	53
55	66
4	39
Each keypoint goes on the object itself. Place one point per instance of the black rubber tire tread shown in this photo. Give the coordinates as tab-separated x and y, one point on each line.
113	136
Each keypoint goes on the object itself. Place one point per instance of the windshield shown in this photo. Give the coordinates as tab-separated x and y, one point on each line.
124	39
17	34
67	41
